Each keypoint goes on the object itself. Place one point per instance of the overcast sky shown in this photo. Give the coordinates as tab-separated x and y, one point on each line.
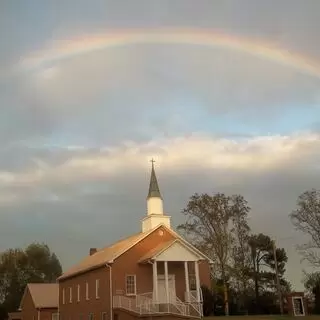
79	122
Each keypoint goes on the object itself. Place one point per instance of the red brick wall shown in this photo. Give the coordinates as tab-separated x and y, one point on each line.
205	274
28	311
46	314
84	307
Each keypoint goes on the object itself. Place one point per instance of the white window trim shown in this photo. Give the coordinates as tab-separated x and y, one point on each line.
87	291
97	288
135	285
70	294
78	293
63	296
55	316
302	305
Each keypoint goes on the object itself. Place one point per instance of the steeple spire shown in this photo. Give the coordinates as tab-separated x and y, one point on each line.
155	215
154	191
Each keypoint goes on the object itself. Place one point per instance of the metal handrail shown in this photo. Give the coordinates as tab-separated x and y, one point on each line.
144	304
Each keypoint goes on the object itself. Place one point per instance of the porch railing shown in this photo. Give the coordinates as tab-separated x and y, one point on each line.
144	298
191	298
125	302
145	304
181	306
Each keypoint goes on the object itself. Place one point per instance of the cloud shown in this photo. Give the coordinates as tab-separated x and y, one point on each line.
250	156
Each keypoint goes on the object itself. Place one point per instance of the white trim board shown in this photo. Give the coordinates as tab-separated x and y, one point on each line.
177	251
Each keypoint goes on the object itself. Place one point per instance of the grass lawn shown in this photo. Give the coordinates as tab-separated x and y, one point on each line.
267	317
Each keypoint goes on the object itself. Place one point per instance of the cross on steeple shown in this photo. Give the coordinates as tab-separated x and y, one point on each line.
152	161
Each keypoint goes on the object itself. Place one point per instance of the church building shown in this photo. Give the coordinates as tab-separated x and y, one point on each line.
152	273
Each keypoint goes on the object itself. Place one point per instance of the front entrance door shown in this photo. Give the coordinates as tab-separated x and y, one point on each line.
162	297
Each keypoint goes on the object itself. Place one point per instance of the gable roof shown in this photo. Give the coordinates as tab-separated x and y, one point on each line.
104	255
44	295
162	248
108	254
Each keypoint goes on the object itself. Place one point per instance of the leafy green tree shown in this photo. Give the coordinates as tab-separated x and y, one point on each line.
312	283
44	266
208	301
18	267
212	225
260	246
263	265
306	218
3	313
13	275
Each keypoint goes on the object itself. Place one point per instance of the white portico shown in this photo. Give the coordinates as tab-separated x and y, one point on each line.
164	284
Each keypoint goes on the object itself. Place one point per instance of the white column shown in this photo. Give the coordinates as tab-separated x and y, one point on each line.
155	281
186	274
196	268
166	279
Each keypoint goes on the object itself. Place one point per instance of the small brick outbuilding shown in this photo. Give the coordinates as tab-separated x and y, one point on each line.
40	302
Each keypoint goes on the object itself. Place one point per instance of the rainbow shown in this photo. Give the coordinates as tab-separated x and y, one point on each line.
64	49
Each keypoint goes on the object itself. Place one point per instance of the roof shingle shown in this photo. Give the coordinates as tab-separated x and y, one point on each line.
44	295
103	256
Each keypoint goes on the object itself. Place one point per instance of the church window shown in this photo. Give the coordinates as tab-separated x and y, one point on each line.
63	296
91	316
55	316
131	285
97	288
87	291
78	293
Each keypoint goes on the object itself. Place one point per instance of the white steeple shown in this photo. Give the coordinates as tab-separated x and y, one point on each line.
155	214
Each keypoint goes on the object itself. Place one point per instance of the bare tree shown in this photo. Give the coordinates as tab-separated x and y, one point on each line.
306	218
211	226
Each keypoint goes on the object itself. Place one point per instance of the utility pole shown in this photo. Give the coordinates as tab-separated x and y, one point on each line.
277	276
